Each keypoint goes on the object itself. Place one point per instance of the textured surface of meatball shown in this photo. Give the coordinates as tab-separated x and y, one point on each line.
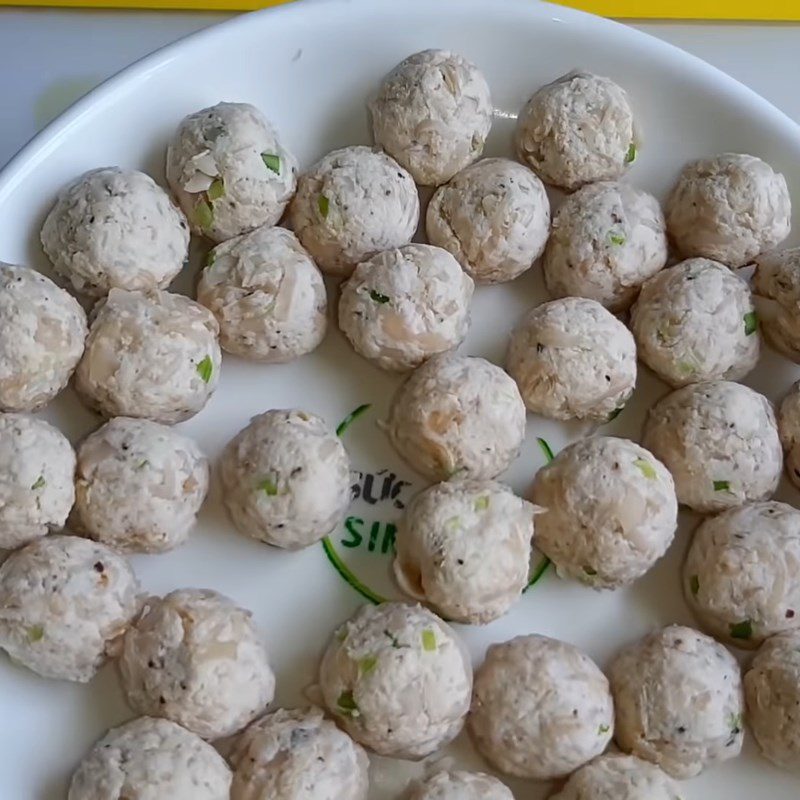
461	785
432	113
720	442
729	208
789	431
776	281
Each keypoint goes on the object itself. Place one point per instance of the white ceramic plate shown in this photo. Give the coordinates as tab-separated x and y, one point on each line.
310	67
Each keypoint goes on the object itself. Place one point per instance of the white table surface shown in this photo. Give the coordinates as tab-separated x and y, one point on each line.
50	57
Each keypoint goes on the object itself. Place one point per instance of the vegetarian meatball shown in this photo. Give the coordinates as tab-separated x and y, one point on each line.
777	282
432	113
720	442
297	754
772	689
741	577
115	228
679	702
464	547
149	355
541	708
229	170
151	759
139	485
789	431
352	204
37	479
461	785
44	328
578	129
610	511
696	322
730	208
196	658
64	601
403	306
457	415
267	296
398	680
572	359
607	239
493	216
286	479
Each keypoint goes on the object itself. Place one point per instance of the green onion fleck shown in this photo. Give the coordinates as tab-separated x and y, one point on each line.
378	297
205	368
722	486
548	453
203	215
341	634
482	503
646	468
323	204
211	257
40	482
735	722
590	571
367	664
268	487
603	729
271	161
142	464
347	704
694	584
616	238
686	367
750	323
216	190
741	630
630	156
614	414
351	418
35	633
428	640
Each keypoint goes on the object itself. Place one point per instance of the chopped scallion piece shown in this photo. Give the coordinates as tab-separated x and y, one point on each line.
741	630
323	204
347	704
39	484
548	453
646	468
378	297
630	156
482	503
205	369
722	486
268	487
203	215
616	238
351	418
216	190
272	162
35	633
428	640
367	664
750	323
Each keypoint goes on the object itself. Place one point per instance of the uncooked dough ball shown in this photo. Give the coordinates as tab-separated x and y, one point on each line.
578	129
679	701
772	689
352	204
457	415
607	239
464	547
572	359
432	113
403	306
776	282
493	216
741	577
541	708
286	479
196	658
610	511
151	759
44	328
619	777
461	785
139	485
297	754
789	430
696	322
720	442
64	602
37	479
729	208
398	680
149	355
230	171
115	228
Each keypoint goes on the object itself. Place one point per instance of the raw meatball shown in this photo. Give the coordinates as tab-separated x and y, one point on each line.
720	442
494	217
610	511
461	785
37	479
115	228
741	577
139	485
286	479
607	239
789	431
464	547
619	777
729	208
196	658
398	680
572	359
229	170
44	329
149	355
578	129
64	601
403	306
151	759
679	702
298	755
457	414
541	708
696	322
267	295
352	204
772	689
777	282
432	113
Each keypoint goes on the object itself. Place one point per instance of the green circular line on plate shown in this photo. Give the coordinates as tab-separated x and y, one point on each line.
349	577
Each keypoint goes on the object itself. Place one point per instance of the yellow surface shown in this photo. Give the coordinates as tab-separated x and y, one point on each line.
630	9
